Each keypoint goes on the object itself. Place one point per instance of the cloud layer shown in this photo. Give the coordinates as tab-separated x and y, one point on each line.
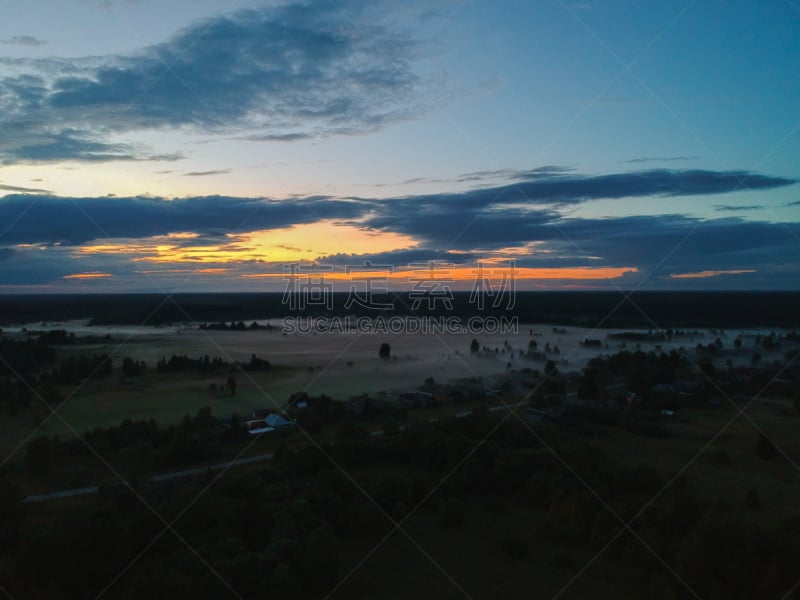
505	214
526	220
282	73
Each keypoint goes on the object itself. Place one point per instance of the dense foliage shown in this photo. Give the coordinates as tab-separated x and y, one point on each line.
278	530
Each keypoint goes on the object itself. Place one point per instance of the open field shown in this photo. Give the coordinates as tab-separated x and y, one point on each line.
340	365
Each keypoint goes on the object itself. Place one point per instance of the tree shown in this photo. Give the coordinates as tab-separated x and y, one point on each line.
474	347
131	368
451	512
322	558
11	515
39	454
752	500
550	369
385	351
765	449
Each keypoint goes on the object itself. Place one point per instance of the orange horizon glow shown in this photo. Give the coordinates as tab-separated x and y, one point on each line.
310	243
462	274
299	242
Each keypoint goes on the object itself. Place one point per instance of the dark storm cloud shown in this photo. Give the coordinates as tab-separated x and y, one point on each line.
506	214
398	258
667	244
650	239
655	182
47	219
279	73
734	208
483	218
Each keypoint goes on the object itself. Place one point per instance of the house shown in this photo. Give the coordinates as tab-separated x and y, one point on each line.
277	421
260	430
269	423
254	424
364	407
534	415
556	414
416	399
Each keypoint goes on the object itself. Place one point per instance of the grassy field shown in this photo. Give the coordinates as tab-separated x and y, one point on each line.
339	365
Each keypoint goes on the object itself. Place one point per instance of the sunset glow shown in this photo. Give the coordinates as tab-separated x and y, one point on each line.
215	149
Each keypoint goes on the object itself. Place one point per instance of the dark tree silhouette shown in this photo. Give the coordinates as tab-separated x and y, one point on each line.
550	369
752	500
40	453
765	450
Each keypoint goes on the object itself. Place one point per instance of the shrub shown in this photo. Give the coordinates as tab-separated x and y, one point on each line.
752	500
765	450
451	512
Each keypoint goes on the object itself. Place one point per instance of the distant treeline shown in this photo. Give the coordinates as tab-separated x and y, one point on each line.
590	309
234	326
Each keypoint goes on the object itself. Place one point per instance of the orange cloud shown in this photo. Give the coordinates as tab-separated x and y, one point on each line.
298	243
210	271
444	274
704	274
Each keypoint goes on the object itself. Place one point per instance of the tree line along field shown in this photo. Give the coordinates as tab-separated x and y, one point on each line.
338	365
641	309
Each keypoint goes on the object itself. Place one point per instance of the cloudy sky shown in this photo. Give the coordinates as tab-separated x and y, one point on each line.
207	145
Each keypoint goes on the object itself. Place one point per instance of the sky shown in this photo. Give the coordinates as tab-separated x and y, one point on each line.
226	145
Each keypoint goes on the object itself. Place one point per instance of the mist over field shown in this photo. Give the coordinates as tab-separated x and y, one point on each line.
321	299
